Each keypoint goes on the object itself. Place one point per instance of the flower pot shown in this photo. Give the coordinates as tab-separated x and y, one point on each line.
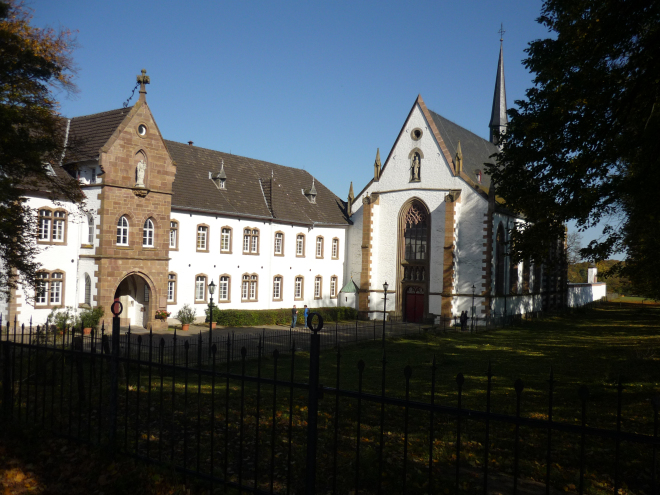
87	331
185	327
213	324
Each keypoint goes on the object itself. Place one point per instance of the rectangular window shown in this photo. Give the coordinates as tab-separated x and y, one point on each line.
56	288
300	245
246	241
223	290
255	241
200	288
42	288
44	225
173	233
278	243
253	287
225	240
298	288
245	287
201	238
317	287
58	226
319	247
277	288
170	290
93	179
335	249
90	229
333	287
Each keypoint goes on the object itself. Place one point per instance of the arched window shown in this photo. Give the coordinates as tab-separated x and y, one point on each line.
88	290
148	233
499	260
415	235
122	232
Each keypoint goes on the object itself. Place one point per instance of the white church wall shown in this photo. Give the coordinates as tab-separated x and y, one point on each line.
581	294
187	263
354	246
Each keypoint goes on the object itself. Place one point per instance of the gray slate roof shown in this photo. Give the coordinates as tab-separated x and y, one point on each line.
476	150
87	134
253	188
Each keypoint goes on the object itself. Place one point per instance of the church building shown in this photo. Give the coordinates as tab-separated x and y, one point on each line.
164	220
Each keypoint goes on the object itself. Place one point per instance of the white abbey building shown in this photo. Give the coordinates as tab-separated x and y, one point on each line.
165	219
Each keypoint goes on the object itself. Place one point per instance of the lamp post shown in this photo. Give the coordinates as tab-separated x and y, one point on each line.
385	286
211	291
472	309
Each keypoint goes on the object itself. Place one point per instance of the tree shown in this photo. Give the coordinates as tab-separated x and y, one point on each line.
34	64
584	143
573	247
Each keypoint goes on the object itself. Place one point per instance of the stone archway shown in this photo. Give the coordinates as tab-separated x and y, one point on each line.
135	294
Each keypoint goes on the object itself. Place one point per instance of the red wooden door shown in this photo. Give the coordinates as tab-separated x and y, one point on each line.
414	305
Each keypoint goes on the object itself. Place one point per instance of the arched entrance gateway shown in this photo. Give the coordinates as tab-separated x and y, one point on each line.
413	255
135	295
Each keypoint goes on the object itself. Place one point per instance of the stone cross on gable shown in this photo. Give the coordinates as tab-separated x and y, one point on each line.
143	80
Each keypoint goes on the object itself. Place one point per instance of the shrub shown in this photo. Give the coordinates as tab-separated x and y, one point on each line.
186	314
62	318
90	318
282	316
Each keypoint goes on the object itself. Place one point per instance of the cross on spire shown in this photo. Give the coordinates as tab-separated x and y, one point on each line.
143	80
501	31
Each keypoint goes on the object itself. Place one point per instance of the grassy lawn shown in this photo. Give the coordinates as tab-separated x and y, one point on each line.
592	347
635	300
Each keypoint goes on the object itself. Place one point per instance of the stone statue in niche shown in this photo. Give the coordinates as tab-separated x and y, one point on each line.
414	167
141	169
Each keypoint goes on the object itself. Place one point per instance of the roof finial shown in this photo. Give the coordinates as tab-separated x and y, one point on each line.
143	79
377	166
501	31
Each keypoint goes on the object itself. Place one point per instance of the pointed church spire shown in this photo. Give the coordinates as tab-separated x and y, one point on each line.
498	117
459	159
377	166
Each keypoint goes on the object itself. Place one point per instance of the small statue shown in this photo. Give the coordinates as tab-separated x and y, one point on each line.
141	169
415	167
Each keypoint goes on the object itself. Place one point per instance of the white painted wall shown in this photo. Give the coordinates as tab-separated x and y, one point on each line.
581	294
187	262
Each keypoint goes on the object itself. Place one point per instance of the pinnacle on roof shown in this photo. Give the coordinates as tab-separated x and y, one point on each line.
377	165
498	117
143	79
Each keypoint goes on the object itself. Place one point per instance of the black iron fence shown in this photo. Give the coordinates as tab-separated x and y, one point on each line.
269	424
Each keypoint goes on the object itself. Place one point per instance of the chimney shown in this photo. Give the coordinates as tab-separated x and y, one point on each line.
190	143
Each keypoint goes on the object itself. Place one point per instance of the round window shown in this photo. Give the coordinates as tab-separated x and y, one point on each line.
416	134
142	130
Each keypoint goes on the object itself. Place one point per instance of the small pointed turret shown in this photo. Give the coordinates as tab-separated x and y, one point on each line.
377	166
498	117
312	191
458	159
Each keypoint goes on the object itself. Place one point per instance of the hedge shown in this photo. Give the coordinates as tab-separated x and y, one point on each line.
247	318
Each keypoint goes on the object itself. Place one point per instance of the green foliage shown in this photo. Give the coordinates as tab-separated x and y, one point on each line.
35	64
246	318
63	318
90	318
584	143
186	314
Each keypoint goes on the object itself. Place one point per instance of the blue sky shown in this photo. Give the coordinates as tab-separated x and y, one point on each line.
313	85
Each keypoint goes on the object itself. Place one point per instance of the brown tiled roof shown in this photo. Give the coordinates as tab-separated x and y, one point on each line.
253	188
87	134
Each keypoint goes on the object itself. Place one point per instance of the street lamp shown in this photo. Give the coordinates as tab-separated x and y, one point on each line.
472	309
211	291
385	286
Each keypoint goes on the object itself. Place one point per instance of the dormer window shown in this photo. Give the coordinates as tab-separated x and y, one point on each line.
310	194
219	178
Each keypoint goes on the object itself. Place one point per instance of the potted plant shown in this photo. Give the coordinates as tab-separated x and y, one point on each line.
186	316
90	319
161	314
